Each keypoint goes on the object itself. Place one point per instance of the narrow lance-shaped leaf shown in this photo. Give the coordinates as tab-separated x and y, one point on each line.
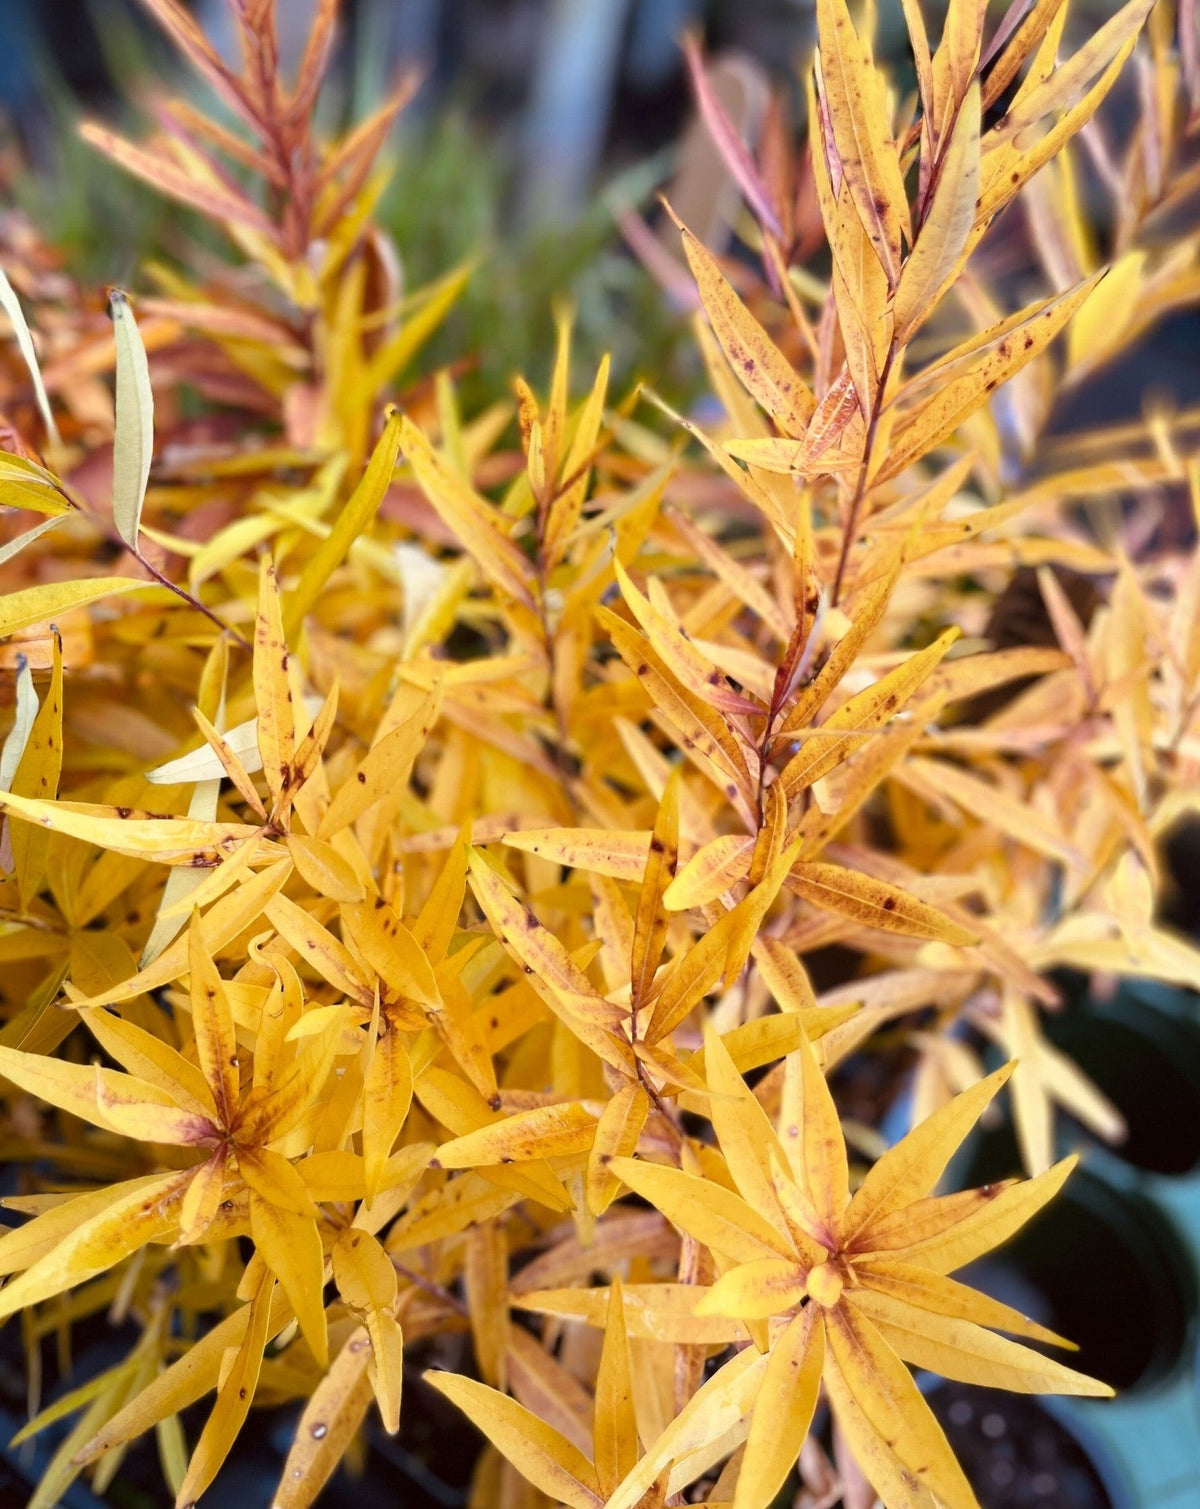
12	307
760	365
960	1349
723	132
50	600
1001	354
234	1399
133	442
1061	90
939	252
536	1449
874	903
715	1411
650	922
889	1398
553	973
617	1133
366	1281
596	851
353	520
783	1410
477	525
24	716
616	1433
37	775
909	1171
272	693
860	130
868	709
709	1212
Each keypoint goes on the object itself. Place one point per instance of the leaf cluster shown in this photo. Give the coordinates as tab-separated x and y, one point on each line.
443	877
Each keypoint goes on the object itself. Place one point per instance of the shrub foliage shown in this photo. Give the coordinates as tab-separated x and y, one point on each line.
439	875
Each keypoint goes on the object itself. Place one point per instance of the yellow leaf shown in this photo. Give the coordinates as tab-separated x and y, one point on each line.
234	1398
701	729
566	506
755	1290
353	520
874	903
329	1423
438	918
889	1398
204	1195
392	952
761	367
485	1289
396	352
537	1450
811	1134
1106	315
1069	81
992	806
616	1433
276	721
897	1485
945	1296
988	1222
552	972
554	1131
126	830
714	1412
187	1379
322	867
25	714
475	523
149	1212
596	851
275	1179
318	946
783	1411
124	1110
657	1312
290	1245
617	1134
387	1095
962	381
12	308
941	244
909	1171
366	1281
960	1349
47	603
722	951
650	922
1006	168
24	1245
712	871
843	655
133	441
710	1213
866	710
954	65
212	1021
861	133
78	1088
384	770
39	765
744	1134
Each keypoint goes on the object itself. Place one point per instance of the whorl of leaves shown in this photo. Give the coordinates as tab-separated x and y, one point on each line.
418	827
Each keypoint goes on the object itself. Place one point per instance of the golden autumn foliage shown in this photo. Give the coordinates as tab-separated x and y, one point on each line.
422	829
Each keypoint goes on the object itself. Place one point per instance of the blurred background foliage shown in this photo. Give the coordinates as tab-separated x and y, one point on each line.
537	122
